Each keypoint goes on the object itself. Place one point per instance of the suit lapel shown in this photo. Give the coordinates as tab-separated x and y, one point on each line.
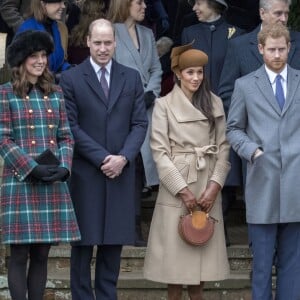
265	87
124	36
293	81
117	81
92	80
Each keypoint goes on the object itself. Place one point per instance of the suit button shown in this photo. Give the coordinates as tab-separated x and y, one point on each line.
30	111
52	142
32	127
51	126
33	142
49	111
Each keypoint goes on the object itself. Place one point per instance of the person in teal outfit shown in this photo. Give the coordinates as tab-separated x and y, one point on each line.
36	207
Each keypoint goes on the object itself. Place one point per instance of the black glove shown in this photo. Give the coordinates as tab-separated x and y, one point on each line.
57	174
41	171
149	98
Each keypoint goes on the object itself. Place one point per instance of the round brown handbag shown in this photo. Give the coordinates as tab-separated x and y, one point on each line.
196	228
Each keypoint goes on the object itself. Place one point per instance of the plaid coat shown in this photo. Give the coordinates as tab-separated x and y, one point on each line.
34	212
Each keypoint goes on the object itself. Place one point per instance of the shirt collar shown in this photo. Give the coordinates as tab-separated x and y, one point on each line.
97	68
272	75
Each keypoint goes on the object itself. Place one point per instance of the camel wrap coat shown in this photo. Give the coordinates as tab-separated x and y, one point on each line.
186	154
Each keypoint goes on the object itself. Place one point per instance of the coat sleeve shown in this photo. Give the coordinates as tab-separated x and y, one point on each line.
20	162
230	72
64	137
222	165
155	71
85	146
237	124
10	12
168	174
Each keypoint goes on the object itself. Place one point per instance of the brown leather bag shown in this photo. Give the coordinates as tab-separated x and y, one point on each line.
196	228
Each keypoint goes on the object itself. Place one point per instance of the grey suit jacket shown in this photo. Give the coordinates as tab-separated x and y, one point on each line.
255	120
145	60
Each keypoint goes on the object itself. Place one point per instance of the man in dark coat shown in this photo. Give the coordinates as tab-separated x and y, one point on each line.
108	119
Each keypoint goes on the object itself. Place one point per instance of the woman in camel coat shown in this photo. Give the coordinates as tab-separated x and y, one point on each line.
191	155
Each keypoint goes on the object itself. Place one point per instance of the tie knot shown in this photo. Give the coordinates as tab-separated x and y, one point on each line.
103	70
278	77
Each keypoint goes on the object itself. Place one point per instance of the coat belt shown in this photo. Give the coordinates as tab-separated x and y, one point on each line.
197	160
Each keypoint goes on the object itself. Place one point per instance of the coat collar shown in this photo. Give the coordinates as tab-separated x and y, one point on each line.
264	85
137	56
117	80
184	111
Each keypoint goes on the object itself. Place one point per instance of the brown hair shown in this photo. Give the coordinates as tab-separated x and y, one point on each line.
274	31
21	84
201	100
118	11
37	11
91	10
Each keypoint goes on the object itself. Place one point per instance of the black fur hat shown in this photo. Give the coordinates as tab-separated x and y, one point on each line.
26	43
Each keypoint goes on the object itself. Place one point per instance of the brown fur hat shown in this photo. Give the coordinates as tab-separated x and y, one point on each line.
183	57
26	43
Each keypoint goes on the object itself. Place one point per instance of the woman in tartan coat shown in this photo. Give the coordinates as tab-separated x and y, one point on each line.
36	208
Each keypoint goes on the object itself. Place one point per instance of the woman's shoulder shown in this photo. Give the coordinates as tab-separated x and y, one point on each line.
144	30
7	86
29	23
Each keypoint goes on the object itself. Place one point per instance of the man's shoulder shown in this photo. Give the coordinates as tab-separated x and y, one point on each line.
295	37
245	39
124	69
248	78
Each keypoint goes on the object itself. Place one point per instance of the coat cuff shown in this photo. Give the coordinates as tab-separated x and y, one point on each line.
174	182
220	172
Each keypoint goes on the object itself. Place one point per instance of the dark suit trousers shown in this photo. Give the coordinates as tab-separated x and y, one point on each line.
283	241
107	269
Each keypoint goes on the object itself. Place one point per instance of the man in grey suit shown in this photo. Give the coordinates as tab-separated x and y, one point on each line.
263	128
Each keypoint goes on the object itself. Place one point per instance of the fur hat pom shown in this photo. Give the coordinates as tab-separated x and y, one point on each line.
26	43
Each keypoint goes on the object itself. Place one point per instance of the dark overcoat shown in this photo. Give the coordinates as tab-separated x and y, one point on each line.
212	38
104	207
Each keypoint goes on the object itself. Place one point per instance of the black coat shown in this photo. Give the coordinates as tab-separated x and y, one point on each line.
212	38
104	207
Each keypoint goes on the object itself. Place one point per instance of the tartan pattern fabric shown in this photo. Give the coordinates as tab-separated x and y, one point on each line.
34	212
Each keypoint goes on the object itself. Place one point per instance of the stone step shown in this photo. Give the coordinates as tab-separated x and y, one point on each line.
133	258
132	286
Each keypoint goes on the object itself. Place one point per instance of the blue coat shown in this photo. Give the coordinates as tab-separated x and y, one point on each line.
57	61
212	38
105	208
